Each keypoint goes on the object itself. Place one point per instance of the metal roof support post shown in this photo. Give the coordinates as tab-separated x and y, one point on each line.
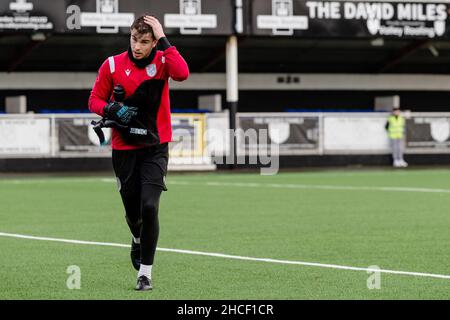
232	93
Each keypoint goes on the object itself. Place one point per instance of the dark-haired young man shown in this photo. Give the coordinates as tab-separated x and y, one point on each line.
140	168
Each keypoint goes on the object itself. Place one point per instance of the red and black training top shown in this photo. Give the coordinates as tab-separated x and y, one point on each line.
123	69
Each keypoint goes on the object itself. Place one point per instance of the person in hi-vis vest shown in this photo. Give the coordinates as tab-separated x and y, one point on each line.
396	128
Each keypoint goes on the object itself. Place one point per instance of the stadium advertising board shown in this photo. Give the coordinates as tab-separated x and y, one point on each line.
292	133
75	136
25	137
31	16
188	135
355	134
428	133
197	17
395	19
304	18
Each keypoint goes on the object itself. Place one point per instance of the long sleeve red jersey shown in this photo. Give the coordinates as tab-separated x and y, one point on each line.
121	70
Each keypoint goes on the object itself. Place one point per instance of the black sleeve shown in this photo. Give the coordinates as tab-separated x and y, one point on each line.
163	43
387	125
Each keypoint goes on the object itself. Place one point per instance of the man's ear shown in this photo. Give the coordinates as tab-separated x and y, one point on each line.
154	43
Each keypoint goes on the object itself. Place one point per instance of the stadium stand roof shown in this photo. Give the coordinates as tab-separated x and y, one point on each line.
85	53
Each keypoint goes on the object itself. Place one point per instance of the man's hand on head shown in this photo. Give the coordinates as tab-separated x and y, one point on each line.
158	31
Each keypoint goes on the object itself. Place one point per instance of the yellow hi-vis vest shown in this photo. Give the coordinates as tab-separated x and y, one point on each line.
396	127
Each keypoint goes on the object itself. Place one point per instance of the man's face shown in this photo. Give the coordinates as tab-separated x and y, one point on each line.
397	112
141	44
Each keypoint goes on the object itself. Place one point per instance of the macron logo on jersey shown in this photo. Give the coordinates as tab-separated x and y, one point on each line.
128	71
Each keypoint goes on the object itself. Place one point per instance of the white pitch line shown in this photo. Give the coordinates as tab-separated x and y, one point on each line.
245	184
309	186
56	180
227	256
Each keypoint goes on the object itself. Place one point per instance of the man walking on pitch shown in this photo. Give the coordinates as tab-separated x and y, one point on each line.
396	126
140	155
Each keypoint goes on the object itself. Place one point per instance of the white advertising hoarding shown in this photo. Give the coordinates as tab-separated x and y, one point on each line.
24	136
359	133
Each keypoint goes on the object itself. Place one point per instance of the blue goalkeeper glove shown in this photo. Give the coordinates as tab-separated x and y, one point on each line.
119	112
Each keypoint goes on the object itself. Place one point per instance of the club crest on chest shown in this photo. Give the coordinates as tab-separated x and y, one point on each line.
151	70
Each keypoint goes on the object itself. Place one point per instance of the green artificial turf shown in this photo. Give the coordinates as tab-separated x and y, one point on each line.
397	220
